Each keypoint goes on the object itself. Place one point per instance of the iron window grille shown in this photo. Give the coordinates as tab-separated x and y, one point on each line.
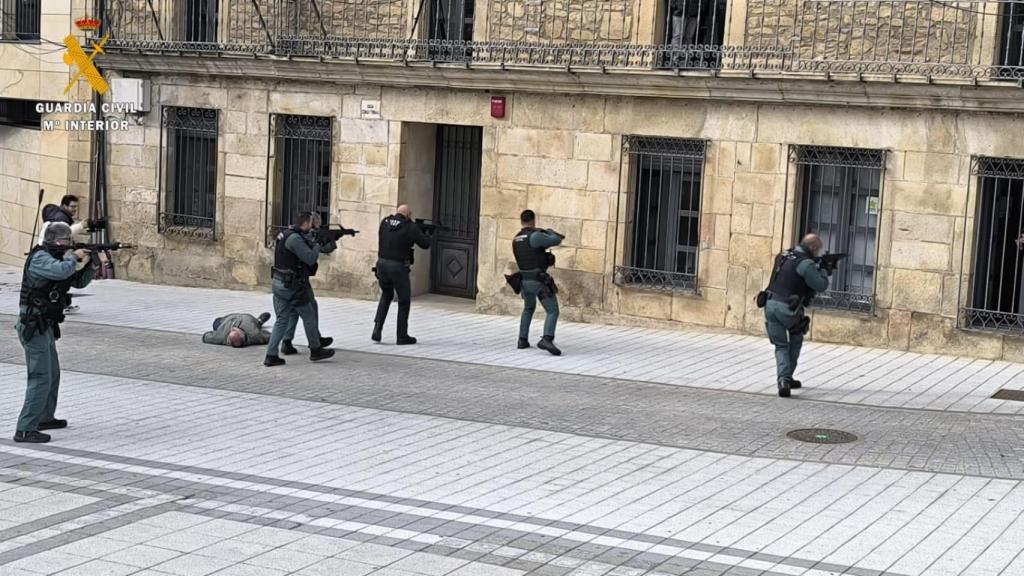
20	19
198	20
188	173
839	198
1011	41
300	157
997	294
662	214
694	32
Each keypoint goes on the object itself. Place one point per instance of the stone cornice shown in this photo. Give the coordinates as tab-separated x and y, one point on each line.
762	89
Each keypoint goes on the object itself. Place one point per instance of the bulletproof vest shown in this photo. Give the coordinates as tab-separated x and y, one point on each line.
787	281
528	257
394	241
48	299
286	260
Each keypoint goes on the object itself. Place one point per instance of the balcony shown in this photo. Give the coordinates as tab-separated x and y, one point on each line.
881	40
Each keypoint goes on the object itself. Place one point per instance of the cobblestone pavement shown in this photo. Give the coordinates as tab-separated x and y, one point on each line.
846	374
186	459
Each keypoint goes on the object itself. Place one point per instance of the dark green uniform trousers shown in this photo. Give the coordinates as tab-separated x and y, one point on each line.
290	306
43	380
786	331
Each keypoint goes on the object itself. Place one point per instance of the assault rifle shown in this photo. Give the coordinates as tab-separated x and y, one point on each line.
110	247
829	261
334	233
429	226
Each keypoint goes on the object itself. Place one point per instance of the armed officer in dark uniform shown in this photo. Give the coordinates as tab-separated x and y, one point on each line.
396	238
51	269
795	279
295	260
326	247
530	248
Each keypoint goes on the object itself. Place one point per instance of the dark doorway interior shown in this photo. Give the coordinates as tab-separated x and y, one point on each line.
457	208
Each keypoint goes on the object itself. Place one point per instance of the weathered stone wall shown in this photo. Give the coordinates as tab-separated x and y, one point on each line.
870	31
56	161
561	155
562	21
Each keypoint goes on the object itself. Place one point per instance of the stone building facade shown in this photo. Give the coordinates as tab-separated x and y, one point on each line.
56	161
751	157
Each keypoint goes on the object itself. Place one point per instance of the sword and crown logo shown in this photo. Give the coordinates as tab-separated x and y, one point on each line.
76	57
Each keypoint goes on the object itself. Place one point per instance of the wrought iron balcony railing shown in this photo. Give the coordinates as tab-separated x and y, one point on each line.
869	39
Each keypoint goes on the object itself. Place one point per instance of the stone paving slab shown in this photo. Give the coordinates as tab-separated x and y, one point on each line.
980	444
717	361
185	493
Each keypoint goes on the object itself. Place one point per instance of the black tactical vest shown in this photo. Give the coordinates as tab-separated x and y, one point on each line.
394	242
287	261
47	300
787	281
528	257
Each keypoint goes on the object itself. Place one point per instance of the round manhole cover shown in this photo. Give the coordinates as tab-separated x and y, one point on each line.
821	436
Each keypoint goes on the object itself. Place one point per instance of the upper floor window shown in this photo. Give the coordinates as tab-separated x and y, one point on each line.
694	32
839	199
199	20
188	171
662	227
997	285
301	161
19	19
1011	39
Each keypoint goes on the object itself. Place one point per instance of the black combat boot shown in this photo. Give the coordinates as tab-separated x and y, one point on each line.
317	354
55	424
273	361
523	343
326	341
795	384
405	340
548	343
377	327
32	437
287	349
262	318
784	387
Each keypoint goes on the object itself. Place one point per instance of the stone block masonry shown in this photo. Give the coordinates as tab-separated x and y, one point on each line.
561	155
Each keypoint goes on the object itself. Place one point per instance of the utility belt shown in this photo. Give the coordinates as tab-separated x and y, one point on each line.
516	281
290	278
389	261
35	323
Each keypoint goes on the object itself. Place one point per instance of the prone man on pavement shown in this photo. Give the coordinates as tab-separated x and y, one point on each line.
325	246
796	278
295	259
50	270
239	330
530	248
396	237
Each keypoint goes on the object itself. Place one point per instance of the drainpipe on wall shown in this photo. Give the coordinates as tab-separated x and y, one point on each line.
98	185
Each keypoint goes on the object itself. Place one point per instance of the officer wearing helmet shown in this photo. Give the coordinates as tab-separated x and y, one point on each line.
51	269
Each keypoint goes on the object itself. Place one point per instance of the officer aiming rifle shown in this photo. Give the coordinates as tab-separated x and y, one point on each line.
532	281
327	233
797	275
397	235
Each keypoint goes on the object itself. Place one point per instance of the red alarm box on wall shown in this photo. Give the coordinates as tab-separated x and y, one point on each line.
497	106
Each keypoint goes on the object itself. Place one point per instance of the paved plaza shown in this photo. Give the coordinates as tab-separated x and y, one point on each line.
639	452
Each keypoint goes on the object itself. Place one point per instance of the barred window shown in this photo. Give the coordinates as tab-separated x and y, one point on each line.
694	31
662	227
301	160
839	199
19	19
188	171
1011	41
997	295
199	20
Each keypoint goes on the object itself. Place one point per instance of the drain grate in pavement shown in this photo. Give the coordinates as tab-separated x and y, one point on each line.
1004	394
821	436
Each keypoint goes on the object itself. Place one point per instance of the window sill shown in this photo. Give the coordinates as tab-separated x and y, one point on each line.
656	281
37	41
187	227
